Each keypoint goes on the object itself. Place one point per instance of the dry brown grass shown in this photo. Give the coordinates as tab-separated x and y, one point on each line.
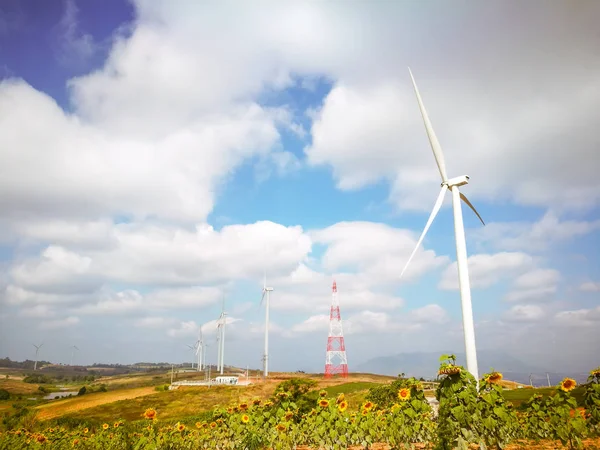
16	386
59	408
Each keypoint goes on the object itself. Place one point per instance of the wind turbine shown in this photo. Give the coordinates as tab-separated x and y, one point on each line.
221	338
73	348
37	351
193	348
199	350
459	235
266	291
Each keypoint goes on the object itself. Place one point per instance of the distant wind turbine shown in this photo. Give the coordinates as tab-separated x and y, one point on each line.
199	350
73	348
266	291
459	235
221	338
37	351
192	348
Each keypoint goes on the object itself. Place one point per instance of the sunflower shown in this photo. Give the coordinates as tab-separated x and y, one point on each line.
116	425
213	424
149	428
288	415
75	442
395	407
150	414
245	418
40	438
323	403
368	406
243	406
340	398
105	426
568	384
268	404
404	394
86	430
494	378
322	393
198	425
230	410
236	409
595	372
281	427
343	405
365	412
256	401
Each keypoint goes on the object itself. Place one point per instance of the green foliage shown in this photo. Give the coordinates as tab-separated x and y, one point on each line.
4	394
385	395
459	417
298	391
82	390
498	425
592	401
161	388
38	379
556	417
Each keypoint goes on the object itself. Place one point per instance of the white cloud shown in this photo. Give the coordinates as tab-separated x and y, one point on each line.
103	173
38	311
525	313
59	323
486	270
580	317
153	322
590	286
76	46
541	235
376	249
535	284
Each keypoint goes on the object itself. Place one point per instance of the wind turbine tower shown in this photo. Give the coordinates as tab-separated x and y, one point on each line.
266	292
199	350
73	348
37	351
221	338
335	360
459	235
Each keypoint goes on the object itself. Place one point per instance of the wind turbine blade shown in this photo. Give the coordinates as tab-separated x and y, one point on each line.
435	145
466	200
436	208
263	297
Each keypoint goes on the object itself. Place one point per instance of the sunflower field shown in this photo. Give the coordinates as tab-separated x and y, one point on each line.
471	415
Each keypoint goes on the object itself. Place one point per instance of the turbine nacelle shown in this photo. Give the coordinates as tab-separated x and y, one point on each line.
457	181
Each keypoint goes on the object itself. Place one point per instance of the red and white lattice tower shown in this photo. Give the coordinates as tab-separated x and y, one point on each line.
335	361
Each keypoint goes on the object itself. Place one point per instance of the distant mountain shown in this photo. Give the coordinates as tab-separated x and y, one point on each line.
425	364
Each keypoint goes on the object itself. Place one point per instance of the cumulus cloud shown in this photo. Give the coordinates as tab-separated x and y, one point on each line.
544	234
525	313
589	286
486	270
535	284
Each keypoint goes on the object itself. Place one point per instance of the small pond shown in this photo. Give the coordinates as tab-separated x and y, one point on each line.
61	394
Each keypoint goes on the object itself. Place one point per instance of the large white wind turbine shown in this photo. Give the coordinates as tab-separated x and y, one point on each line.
459	234
266	291
73	348
37	351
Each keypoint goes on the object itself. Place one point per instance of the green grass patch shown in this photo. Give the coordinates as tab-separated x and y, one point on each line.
349	388
521	396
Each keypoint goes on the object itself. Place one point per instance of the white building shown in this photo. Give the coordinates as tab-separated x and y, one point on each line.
226	380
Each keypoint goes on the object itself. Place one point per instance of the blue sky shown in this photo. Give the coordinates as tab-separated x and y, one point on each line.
158	155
